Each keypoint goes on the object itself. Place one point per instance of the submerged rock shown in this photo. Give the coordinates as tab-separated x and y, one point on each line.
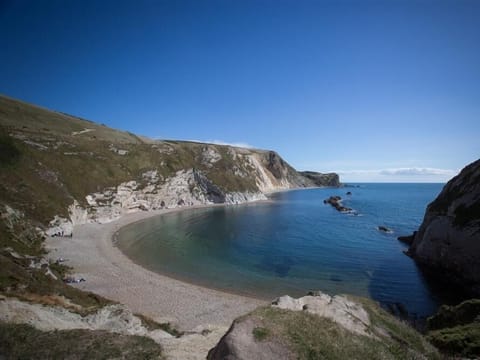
384	229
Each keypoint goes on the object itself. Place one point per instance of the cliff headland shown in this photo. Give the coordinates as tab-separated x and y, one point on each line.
68	184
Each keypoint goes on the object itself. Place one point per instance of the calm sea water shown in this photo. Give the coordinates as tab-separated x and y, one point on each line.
294	244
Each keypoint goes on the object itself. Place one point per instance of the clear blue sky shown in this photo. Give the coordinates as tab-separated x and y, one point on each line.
376	90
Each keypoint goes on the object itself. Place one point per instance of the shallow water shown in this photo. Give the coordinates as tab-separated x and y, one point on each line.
294	244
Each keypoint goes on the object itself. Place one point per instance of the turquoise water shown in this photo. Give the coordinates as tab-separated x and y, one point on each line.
294	244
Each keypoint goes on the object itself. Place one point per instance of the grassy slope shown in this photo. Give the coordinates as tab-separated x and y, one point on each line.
42	178
25	342
456	329
314	337
44	166
47	157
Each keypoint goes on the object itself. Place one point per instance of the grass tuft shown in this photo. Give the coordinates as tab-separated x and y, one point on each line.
151	325
260	333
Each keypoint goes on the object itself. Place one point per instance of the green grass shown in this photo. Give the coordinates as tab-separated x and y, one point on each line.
151	325
9	153
314	337
260	333
26	342
456	329
44	182
461	340
45	166
450	316
403	334
18	280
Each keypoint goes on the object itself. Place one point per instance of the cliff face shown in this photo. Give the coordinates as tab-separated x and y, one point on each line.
57	171
319	179
57	166
448	240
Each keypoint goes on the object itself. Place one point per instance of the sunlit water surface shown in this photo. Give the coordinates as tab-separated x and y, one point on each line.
294	244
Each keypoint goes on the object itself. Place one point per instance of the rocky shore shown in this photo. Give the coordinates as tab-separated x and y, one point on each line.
448	240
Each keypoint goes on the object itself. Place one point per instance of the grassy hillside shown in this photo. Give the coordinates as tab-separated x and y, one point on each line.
271	331
49	159
25	342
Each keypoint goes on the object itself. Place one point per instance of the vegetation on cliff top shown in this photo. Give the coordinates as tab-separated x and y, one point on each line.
25	342
456	329
308	336
49	159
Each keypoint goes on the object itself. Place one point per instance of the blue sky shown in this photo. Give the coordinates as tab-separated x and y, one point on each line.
375	90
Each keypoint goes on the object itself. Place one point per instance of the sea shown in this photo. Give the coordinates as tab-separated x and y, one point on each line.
295	243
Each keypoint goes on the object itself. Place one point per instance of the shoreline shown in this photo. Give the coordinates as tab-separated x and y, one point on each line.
111	274
185	279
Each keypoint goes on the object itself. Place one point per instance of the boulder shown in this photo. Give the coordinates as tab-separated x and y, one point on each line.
239	343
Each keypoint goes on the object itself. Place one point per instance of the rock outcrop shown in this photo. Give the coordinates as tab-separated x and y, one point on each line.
341	310
114	318
321	179
336	202
448	240
239	344
74	171
59	171
319	326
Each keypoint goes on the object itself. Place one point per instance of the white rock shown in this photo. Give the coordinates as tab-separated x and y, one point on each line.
114	318
351	315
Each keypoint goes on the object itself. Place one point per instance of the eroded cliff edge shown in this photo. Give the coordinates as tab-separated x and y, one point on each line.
57	171
448	240
61	167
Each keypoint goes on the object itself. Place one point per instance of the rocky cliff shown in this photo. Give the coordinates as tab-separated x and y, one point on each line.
319	179
448	240
65	170
57	171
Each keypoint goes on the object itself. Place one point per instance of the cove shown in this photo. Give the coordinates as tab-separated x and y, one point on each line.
295	243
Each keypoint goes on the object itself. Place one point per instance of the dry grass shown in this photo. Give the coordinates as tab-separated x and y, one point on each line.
25	342
314	337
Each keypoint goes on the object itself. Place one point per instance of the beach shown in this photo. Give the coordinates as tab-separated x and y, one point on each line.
109	273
